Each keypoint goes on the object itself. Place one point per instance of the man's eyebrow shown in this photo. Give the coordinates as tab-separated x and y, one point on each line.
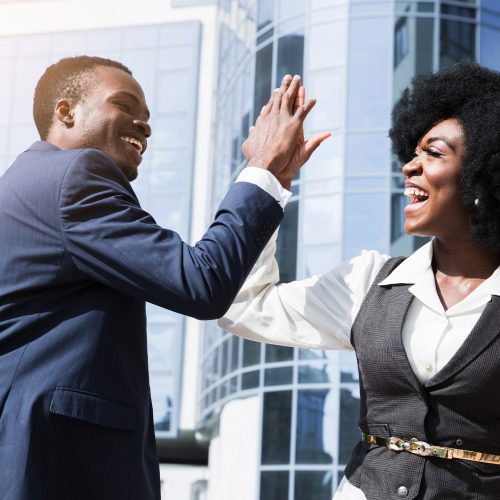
134	98
448	143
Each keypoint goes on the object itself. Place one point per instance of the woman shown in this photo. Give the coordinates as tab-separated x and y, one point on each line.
426	329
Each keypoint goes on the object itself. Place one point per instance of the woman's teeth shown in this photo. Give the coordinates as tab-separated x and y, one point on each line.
416	194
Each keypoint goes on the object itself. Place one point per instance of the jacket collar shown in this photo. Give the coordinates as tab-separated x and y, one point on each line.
43	146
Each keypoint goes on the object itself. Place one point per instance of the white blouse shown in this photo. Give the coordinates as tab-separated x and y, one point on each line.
318	312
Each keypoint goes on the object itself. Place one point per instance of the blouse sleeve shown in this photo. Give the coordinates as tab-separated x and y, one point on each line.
315	313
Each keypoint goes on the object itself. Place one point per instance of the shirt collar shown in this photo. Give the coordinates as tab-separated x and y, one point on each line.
411	270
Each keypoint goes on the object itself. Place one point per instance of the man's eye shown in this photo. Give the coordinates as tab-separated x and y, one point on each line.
124	106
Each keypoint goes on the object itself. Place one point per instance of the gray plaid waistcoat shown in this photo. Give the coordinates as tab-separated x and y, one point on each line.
459	407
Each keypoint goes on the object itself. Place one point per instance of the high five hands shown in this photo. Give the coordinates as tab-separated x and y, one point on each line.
277	143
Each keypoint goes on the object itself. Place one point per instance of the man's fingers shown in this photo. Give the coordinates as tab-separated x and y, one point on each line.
299	98
277	97
277	93
313	142
285	83
303	111
291	93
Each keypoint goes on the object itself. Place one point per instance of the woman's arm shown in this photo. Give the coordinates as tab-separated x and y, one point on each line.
314	313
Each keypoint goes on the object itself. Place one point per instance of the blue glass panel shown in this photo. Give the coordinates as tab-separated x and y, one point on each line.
349	433
490	47
311	484
365	223
274	485
315	427
369	79
276	428
278	376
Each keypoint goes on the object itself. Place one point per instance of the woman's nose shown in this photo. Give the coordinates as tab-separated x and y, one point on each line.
413	167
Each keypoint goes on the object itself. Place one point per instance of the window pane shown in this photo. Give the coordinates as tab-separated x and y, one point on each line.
290	56
263	69
315	374
251	353
368	153
276	428
286	246
322	219
234	342
349	433
490	46
365	223
413	50
348	367
458	42
279	376
275	353
368	98
313	485
315	425
274	485
250	380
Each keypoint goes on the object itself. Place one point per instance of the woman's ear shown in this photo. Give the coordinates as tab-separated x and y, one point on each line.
65	113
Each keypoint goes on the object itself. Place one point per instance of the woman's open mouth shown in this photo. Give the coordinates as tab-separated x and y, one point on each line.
417	197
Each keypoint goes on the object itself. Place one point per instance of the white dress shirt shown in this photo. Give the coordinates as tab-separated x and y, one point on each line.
318	312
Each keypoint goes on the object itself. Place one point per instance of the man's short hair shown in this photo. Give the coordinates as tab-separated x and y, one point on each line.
69	78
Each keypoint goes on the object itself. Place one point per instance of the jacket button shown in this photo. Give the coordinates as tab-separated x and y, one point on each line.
402	491
459	442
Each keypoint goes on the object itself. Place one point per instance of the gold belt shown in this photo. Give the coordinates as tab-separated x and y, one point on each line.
428	450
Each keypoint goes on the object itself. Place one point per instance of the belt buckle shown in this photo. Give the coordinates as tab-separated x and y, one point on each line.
419	447
412	446
396	444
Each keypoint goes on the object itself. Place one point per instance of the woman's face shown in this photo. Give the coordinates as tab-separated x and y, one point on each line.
432	184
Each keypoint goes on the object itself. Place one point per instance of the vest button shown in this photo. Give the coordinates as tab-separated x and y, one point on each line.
402	491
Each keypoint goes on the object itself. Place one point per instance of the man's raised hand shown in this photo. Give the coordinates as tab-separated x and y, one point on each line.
276	143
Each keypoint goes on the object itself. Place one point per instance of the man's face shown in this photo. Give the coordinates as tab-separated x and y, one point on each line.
113	118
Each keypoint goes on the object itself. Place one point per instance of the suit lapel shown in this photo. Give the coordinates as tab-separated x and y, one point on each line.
484	332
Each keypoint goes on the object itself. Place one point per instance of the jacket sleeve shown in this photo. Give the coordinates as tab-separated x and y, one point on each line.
114	241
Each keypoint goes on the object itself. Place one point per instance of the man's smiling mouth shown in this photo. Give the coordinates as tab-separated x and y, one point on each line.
135	142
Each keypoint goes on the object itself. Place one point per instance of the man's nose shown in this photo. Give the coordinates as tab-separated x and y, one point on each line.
144	127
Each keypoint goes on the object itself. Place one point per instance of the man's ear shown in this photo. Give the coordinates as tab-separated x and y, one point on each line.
65	112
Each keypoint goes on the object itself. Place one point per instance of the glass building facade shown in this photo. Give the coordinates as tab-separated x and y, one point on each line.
165	60
355	57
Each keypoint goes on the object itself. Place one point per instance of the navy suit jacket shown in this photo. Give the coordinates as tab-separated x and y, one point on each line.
78	260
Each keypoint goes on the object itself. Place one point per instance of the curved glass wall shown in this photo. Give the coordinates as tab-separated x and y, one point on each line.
355	56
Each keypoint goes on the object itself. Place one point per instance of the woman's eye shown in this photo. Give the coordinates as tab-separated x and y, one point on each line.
433	153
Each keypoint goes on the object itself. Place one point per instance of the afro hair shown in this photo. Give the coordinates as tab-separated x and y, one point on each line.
69	78
470	94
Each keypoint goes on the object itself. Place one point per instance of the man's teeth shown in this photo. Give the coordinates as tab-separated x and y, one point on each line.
416	192
135	142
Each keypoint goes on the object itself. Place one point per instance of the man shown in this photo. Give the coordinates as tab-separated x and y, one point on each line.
78	260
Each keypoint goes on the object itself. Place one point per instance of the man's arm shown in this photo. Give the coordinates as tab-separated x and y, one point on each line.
114	241
110	238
